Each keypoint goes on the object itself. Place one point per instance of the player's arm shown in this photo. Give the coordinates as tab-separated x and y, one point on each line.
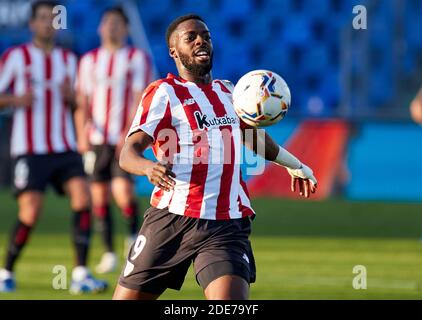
262	144
84	90
81	117
15	101
8	70
136	98
416	108
141	78
133	161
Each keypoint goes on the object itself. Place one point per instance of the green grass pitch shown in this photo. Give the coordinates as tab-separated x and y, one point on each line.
303	250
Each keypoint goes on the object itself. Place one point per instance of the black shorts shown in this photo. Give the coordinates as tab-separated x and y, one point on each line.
36	172
101	164
168	243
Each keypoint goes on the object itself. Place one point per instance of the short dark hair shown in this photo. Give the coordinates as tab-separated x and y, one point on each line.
119	11
174	24
41	3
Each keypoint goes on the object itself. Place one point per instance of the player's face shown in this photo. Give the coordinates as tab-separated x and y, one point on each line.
113	28
42	24
193	47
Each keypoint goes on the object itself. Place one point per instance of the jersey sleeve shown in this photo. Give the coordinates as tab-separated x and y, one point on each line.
151	111
228	86
9	63
142	71
84	78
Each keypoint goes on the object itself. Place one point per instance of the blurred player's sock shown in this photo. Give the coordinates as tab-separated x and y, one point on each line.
84	282
18	240
81	235
7	281
103	215
132	218
108	263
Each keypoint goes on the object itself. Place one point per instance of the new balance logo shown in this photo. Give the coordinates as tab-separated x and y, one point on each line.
188	102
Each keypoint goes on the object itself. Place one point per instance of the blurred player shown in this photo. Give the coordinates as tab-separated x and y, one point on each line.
111	79
416	108
200	211
40	76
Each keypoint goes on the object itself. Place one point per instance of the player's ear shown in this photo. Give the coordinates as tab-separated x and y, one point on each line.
172	52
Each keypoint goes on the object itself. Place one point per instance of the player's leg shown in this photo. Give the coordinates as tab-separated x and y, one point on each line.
123	193
225	265
100	177
78	192
228	287
122	293
29	182
29	204
159	258
100	192
69	177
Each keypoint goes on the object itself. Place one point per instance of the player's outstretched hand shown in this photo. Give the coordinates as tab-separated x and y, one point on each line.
161	176
306	180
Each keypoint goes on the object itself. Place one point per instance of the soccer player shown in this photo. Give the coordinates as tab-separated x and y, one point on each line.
111	79
200	211
40	76
416	108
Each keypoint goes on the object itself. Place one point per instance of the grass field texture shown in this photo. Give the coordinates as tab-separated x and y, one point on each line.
303	250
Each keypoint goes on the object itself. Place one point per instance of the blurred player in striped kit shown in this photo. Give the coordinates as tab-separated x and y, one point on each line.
110	82
40	76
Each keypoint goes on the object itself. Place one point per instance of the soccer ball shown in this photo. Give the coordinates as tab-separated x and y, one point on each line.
261	98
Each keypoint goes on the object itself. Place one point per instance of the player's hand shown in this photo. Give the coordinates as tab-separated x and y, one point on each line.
83	146
68	93
305	178
24	101
161	176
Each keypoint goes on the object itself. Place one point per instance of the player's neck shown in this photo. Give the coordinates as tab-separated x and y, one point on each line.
45	45
112	46
205	79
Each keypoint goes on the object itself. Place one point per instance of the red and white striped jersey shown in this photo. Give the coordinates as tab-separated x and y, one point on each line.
196	129
47	125
109	80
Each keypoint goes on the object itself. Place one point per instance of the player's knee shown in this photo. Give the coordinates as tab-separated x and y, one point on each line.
80	202
30	204
80	199
79	194
29	216
127	206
